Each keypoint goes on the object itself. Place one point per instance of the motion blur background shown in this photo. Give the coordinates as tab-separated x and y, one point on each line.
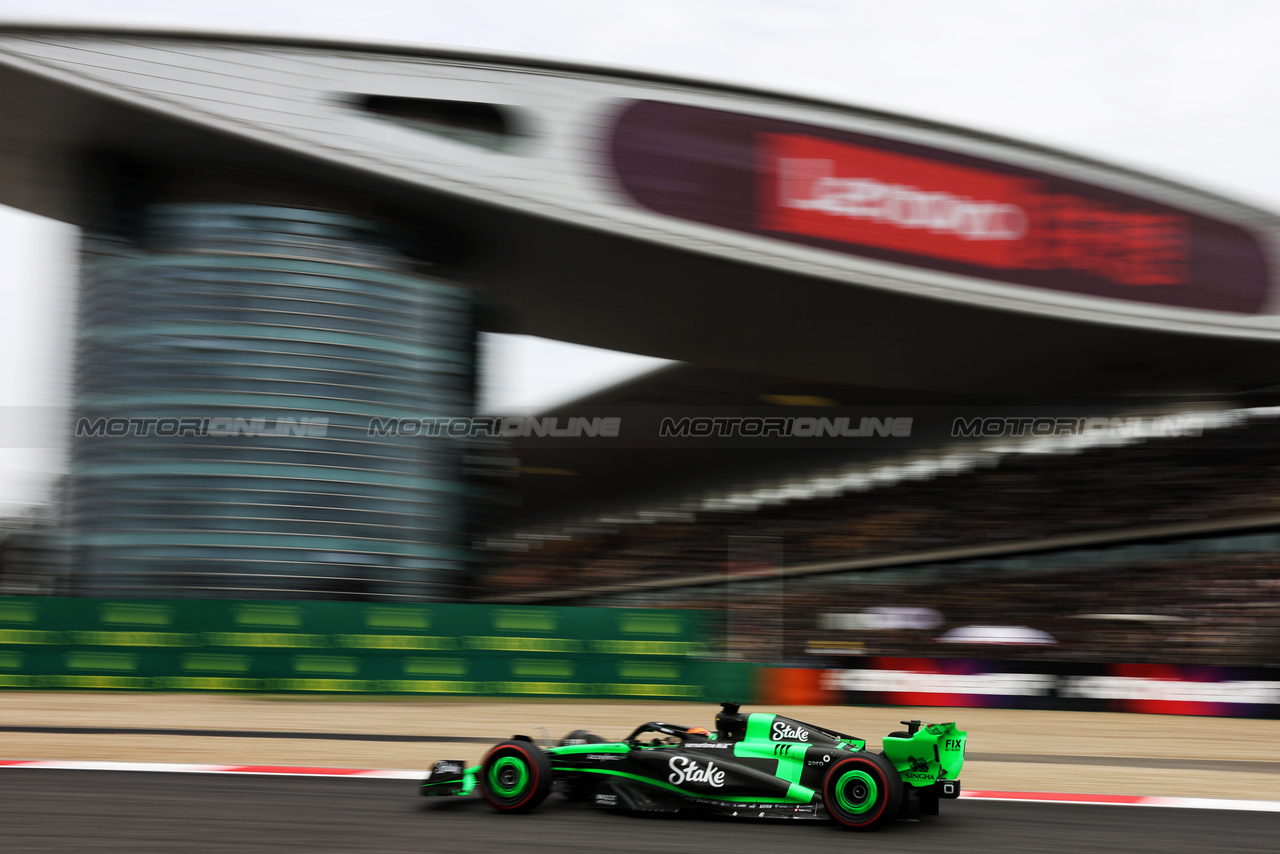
1137	545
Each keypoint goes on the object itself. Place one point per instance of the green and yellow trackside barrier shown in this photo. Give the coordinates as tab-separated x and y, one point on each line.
56	643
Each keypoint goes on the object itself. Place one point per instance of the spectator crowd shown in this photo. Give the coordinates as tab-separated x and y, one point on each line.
1183	608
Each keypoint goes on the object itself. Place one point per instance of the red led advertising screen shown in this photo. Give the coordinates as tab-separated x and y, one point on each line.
926	207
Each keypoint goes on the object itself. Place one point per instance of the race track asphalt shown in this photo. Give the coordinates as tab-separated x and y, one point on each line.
95	811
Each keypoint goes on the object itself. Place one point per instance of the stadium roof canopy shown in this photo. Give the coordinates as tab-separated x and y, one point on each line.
744	230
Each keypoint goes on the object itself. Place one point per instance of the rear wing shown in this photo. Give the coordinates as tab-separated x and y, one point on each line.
927	753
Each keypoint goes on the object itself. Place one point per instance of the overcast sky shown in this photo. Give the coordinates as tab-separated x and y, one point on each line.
1187	89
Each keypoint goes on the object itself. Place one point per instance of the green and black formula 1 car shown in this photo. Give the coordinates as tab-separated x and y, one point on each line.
753	765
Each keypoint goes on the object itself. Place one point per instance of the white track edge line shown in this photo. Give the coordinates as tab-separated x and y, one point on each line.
1080	799
176	768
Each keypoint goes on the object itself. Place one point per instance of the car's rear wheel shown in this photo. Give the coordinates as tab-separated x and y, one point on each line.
862	791
515	776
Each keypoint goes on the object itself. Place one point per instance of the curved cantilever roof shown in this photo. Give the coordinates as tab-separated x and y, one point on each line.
705	222
474	55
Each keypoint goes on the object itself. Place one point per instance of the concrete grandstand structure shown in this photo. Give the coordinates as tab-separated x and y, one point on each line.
285	227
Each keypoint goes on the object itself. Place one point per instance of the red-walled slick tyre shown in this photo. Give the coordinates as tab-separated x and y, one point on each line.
862	792
515	776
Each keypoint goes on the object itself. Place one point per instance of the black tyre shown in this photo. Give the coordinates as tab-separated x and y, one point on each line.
862	791
515	776
581	736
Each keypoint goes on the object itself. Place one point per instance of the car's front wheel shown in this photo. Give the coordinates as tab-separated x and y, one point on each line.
515	776
862	791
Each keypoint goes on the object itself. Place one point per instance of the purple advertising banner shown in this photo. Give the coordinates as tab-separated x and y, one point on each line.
911	204
1153	689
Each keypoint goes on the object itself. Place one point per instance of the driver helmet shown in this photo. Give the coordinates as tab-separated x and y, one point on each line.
697	730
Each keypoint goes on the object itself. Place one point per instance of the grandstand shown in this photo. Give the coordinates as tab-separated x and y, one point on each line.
1161	549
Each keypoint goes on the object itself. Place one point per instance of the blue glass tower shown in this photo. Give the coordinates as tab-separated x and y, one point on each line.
230	360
